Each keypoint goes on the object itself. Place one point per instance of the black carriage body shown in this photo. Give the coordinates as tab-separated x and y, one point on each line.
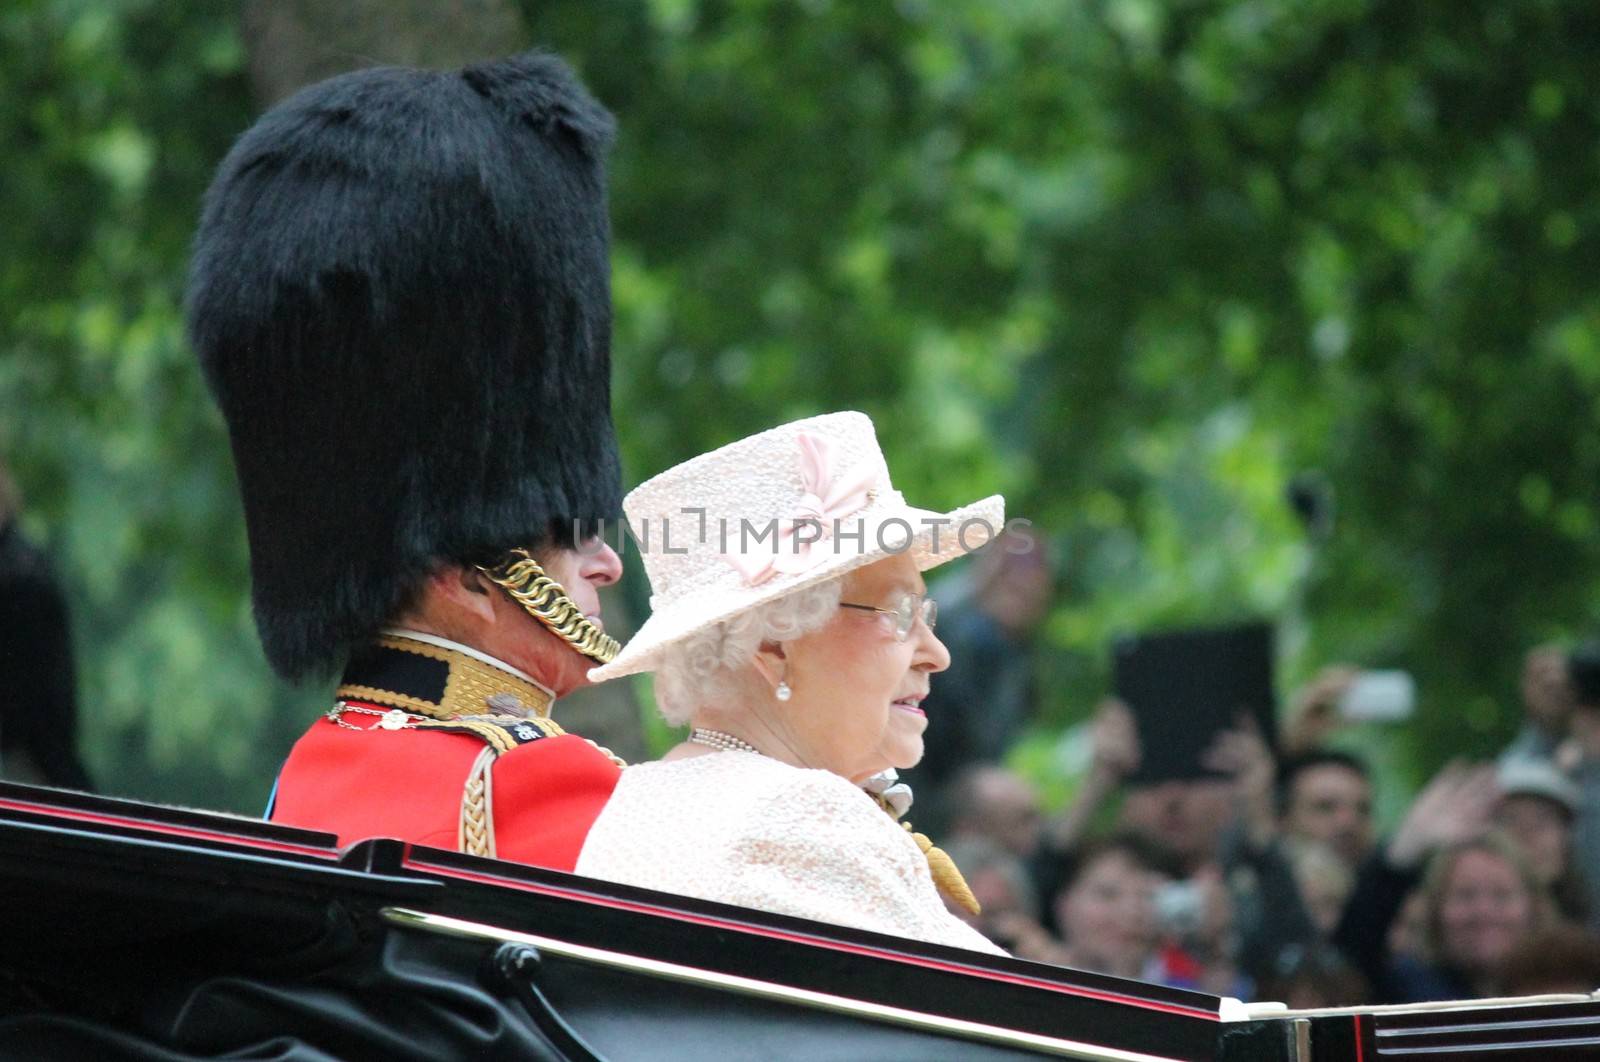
137	931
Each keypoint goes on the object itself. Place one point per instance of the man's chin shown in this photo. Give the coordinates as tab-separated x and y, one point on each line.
574	677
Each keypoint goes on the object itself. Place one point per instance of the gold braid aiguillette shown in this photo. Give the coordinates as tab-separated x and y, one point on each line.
547	601
945	873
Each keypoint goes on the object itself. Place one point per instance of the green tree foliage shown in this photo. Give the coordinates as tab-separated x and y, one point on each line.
1134	264
115	116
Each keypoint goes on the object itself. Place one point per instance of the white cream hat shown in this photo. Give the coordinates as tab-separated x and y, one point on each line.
772	514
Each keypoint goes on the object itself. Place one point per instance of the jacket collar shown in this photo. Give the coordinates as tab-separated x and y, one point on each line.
439	678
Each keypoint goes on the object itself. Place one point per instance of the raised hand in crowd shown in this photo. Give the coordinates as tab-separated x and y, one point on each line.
1452	809
1455	805
1114	755
1116	743
1314	715
1243	755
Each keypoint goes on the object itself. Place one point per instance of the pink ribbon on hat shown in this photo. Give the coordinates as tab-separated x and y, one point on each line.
828	497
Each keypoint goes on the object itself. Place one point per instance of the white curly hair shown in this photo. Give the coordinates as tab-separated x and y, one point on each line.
708	665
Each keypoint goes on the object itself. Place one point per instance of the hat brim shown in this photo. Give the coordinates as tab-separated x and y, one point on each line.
943	538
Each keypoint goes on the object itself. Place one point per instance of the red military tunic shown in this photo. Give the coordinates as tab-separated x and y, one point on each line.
436	744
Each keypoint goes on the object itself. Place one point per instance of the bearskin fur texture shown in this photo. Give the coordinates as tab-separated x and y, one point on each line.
400	298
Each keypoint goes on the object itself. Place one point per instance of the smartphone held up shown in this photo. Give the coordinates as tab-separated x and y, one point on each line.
1379	697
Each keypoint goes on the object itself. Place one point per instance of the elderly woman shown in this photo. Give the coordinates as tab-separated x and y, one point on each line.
792	629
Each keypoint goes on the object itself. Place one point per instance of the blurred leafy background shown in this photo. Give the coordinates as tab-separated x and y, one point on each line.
1137	265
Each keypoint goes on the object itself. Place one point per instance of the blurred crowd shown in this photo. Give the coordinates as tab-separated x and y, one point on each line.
1267	879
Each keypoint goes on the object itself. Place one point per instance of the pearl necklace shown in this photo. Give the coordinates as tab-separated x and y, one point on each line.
716	739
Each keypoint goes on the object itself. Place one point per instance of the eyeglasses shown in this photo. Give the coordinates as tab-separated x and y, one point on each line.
905	613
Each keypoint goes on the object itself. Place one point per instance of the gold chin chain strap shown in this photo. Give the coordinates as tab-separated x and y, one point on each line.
547	601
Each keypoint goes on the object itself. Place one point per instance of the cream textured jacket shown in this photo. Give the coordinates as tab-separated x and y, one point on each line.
741	828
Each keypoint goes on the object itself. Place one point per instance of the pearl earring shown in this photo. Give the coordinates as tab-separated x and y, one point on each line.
783	692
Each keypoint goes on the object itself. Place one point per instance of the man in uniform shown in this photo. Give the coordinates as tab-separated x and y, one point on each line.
400	298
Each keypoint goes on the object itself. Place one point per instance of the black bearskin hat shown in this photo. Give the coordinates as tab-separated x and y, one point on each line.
400	296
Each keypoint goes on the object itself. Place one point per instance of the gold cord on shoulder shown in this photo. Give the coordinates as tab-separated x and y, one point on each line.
946	875
546	601
475	832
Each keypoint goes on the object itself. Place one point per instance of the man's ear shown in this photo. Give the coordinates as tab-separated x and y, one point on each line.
772	662
466	588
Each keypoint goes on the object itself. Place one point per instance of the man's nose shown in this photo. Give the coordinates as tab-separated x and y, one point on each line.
601	566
